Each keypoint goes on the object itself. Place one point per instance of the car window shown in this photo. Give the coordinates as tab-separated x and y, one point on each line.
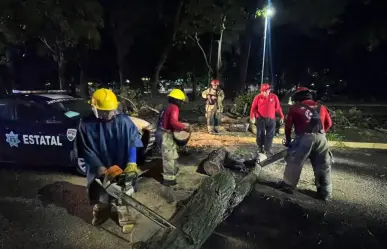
7	111
29	111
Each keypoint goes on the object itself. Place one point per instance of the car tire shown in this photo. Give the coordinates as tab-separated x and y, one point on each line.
81	166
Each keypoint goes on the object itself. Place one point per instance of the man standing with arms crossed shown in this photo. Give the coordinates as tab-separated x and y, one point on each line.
311	122
263	109
214	97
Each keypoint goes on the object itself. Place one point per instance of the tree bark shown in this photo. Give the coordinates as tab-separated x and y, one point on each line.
210	205
166	48
62	71
214	162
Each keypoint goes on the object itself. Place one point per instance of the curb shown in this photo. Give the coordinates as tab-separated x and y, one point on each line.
210	141
352	145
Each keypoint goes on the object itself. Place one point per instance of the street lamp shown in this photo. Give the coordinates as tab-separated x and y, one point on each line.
267	13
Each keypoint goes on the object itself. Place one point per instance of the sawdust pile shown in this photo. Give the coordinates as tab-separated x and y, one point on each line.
202	139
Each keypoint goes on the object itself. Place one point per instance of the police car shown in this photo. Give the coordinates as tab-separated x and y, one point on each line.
40	129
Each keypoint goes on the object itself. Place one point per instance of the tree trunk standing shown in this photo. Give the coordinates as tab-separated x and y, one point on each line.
220	41
246	45
210	205
210	71
166	48
244	63
62	71
84	87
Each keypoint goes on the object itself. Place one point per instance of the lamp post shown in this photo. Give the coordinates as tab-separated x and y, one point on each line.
267	12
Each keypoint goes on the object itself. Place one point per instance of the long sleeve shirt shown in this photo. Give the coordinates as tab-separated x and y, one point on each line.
266	107
297	117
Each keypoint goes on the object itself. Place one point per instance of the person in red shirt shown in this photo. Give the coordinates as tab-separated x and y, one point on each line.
263	109
167	124
311	121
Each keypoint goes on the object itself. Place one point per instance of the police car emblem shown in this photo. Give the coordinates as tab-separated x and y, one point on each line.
12	139
71	134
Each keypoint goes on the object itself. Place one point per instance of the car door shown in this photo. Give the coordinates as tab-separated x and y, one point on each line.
40	134
11	148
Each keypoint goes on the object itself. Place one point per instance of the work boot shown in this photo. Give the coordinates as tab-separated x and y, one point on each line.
269	152
101	213
210	130
323	195
216	129
261	150
168	194
286	188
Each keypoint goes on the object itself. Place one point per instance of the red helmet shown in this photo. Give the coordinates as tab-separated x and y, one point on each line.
215	82
265	87
302	88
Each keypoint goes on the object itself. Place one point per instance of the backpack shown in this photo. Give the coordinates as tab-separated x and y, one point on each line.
313	115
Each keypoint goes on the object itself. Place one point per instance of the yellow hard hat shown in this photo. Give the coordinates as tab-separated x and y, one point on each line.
104	99
177	94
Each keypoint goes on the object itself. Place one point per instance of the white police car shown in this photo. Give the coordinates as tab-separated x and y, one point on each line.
40	129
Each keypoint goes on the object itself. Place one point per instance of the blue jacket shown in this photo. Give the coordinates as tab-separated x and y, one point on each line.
107	143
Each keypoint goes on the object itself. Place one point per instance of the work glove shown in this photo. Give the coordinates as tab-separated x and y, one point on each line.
281	122
188	128
286	142
252	120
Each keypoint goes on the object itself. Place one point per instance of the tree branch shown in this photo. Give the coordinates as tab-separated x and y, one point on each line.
42	39
196	40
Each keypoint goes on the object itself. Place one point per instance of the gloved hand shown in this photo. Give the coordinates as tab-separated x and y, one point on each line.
281	122
252	120
131	167
188	128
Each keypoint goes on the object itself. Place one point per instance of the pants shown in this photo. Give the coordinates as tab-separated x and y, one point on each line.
213	118
169	156
265	133
103	210
315	147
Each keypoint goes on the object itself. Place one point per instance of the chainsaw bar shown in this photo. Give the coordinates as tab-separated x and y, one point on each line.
116	191
273	159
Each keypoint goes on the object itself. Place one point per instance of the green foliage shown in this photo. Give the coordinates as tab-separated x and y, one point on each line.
58	24
213	16
352	118
242	101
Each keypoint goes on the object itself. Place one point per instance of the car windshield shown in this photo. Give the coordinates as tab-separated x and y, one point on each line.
73	107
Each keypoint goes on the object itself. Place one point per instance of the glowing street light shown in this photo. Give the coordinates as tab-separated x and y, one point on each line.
267	12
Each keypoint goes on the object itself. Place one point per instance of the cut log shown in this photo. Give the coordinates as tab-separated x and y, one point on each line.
210	205
214	162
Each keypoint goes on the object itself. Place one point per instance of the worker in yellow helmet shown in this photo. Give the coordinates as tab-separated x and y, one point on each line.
108	143
168	123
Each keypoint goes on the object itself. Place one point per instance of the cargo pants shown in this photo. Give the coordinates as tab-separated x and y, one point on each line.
315	147
104	208
213	120
169	156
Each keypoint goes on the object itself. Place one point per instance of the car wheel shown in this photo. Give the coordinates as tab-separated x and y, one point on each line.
81	166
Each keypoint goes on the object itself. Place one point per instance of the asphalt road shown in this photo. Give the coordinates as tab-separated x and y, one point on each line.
33	214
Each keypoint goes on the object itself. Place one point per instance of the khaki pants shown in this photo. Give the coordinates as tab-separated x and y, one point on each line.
315	147
103	210
213	119
169	156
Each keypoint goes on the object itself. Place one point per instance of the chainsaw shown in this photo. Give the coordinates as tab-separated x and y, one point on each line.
122	190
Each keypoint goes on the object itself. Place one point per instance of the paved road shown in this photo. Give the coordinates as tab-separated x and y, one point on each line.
33	214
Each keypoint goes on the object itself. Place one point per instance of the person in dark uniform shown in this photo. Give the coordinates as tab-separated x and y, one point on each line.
108	140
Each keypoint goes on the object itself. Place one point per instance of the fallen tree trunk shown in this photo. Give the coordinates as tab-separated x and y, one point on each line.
214	162
210	205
